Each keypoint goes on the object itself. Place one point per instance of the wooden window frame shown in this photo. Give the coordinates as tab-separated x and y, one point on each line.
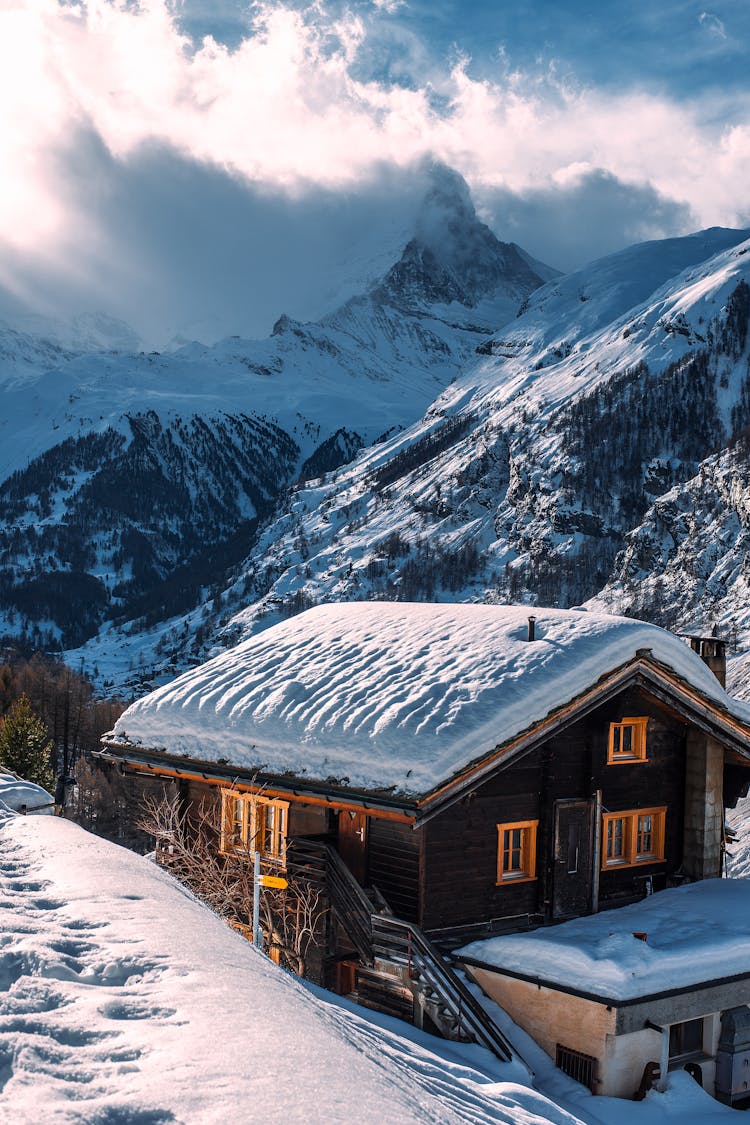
526	872
253	825
631	819
638	725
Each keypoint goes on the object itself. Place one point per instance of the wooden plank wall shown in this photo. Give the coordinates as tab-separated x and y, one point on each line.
459	863
394	865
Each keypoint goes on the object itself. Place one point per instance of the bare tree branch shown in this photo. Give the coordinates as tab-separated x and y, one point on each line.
187	843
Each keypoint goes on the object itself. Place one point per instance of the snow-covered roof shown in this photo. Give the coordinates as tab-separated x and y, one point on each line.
694	934
15	793
393	695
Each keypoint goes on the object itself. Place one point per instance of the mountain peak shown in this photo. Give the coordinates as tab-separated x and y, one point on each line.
454	256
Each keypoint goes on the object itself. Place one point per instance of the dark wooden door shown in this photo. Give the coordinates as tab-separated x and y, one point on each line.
573	859
352	843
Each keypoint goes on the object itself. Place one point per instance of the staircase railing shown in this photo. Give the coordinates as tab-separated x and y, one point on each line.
378	935
349	902
404	944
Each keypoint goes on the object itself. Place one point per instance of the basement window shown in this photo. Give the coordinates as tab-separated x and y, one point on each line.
252	824
516	853
686	1039
627	741
633	837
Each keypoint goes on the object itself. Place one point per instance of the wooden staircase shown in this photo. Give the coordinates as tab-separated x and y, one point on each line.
401	971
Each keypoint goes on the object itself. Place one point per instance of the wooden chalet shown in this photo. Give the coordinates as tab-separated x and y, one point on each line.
458	771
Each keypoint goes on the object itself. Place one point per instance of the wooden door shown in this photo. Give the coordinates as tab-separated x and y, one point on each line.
352	843
573	859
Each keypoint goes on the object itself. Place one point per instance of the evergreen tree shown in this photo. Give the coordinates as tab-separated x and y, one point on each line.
25	745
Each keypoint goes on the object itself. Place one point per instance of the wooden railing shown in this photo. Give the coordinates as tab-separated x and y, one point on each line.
307	858
402	943
377	935
349	902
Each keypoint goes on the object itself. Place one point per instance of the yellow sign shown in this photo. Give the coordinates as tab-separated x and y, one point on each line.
272	881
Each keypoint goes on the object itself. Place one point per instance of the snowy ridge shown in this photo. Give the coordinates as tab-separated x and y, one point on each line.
135	479
372	365
548	443
119	1002
504	491
393	696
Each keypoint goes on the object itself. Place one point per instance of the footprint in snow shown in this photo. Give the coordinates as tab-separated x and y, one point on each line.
124	1010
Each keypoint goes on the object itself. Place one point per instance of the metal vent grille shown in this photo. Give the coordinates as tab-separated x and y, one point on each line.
578	1066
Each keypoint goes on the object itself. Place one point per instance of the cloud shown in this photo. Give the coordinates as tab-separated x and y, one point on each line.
587	214
173	245
712	24
125	147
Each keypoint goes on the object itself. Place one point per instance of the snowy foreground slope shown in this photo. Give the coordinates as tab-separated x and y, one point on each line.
125	1002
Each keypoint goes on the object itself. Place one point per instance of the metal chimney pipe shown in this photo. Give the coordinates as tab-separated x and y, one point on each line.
532	628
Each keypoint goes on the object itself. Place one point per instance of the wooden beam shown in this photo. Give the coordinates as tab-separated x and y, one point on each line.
271	791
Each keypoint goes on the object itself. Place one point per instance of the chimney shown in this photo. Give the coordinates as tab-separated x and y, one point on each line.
713	652
532	628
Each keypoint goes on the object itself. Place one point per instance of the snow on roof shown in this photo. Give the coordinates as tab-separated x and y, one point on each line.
124	999
695	933
15	792
393	695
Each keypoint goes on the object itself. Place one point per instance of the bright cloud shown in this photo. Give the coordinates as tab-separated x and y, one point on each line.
288	110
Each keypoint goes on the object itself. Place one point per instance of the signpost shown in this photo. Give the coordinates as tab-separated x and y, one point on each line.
257	935
274	882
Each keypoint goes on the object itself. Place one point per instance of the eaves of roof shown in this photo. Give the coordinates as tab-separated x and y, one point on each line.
600	997
642	671
162	764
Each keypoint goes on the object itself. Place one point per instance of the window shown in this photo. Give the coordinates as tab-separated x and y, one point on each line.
516	859
627	741
686	1039
635	836
253	824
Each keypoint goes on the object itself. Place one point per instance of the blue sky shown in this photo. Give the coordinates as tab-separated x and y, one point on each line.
686	48
143	165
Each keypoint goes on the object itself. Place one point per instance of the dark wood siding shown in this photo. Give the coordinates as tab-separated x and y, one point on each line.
460	853
658	781
308	820
459	863
394	865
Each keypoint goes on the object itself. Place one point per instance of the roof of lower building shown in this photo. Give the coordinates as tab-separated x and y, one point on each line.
691	935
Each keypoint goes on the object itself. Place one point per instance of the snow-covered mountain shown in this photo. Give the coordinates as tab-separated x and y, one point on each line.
614	398
132	480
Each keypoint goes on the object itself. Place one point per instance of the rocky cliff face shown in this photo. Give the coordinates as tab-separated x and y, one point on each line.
545	473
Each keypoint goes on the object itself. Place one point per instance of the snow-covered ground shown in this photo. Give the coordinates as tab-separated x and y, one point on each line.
342	689
123	1001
